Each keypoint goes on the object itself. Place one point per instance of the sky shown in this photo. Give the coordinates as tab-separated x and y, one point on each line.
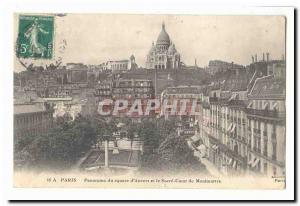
96	38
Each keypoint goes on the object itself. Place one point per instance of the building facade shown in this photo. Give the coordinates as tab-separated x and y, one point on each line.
243	127
215	66
190	96
131	90
31	120
119	65
266	126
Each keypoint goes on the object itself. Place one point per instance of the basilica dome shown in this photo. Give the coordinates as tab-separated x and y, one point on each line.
163	37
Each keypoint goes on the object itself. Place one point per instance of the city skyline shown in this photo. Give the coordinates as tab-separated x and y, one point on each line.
131	35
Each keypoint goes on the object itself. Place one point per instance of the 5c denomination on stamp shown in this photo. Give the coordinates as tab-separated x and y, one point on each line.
35	37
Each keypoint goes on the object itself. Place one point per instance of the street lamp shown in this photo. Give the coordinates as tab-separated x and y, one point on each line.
106	138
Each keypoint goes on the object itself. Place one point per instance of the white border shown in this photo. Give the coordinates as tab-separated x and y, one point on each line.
136	6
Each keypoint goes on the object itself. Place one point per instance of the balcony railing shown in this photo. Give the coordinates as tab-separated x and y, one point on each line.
213	99
265	113
237	103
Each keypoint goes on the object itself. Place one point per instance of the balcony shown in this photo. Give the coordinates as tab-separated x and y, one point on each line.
236	103
213	99
265	113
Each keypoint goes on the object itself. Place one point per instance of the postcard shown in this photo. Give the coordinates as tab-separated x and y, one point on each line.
156	101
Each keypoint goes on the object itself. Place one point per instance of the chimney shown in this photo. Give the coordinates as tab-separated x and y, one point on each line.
268	56
252	58
255	57
263	57
236	69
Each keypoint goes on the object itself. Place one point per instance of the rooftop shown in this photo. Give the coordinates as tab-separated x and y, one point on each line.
185	90
28	108
236	82
268	88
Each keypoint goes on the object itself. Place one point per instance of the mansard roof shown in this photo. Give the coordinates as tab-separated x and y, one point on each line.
268	87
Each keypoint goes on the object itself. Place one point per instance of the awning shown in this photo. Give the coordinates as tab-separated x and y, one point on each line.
195	138
215	146
229	127
115	151
274	106
234	164
233	127
201	147
265	105
250	105
251	161
255	162
233	96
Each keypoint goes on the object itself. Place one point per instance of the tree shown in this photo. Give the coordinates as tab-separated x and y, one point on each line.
175	155
63	145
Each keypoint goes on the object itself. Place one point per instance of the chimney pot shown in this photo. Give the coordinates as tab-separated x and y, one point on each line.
268	56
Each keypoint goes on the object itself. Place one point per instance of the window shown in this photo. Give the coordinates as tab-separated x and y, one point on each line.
274	171
274	153
265	168
265	152
265	130
260	105
258	145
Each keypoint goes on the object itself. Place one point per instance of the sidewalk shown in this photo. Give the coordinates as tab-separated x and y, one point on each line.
210	167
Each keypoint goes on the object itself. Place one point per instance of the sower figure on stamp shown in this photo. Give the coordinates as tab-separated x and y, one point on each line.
32	34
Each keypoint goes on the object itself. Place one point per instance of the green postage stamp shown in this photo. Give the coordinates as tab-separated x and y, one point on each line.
35	37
